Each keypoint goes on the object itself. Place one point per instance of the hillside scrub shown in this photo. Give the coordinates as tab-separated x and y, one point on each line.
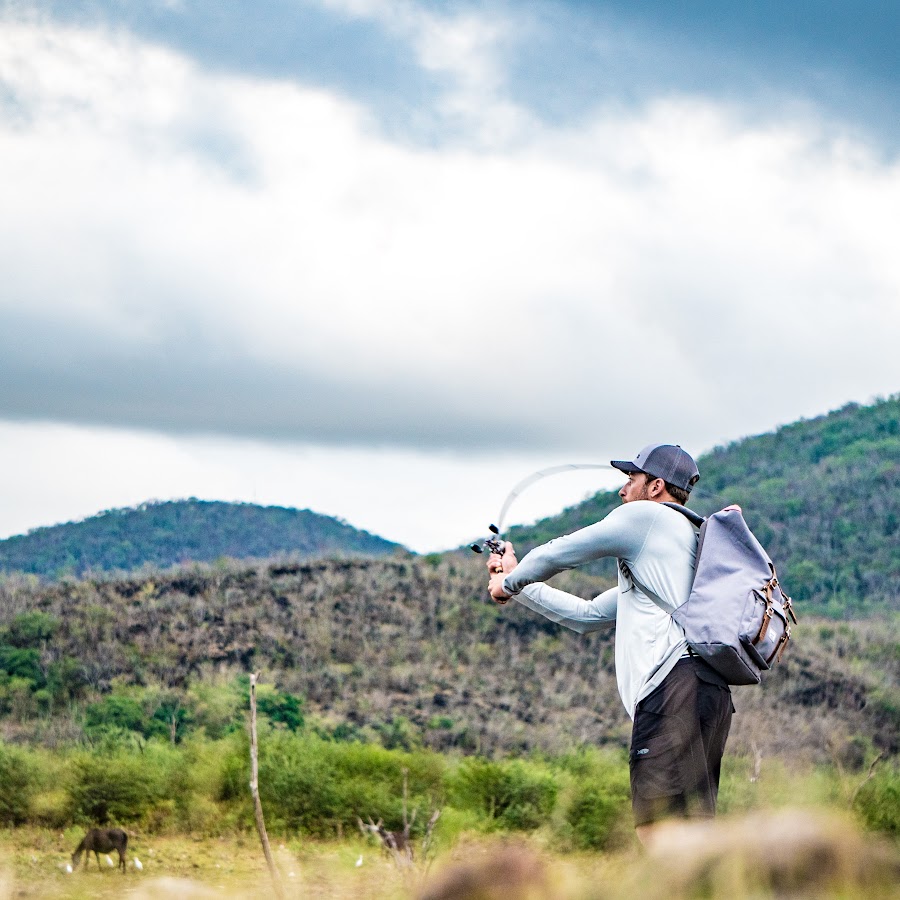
399	652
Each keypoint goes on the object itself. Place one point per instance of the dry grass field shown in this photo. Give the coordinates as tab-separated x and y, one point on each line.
788	854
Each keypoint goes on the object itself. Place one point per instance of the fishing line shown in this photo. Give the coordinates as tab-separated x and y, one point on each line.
494	544
537	476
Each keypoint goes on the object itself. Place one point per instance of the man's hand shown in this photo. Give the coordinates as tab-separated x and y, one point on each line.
499	567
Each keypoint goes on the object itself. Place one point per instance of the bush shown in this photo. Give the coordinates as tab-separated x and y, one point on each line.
19	781
29	629
119	787
115	712
52	809
596	808
878	802
316	785
22	662
283	709
515	795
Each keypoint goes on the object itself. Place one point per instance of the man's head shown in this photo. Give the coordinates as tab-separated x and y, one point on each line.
659	472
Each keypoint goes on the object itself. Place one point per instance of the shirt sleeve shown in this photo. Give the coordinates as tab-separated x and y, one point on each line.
621	534
566	609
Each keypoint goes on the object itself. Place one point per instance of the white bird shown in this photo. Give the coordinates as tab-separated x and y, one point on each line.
137	864
69	868
109	861
359	862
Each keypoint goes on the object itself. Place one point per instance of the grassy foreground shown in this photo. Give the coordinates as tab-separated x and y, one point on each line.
790	853
33	865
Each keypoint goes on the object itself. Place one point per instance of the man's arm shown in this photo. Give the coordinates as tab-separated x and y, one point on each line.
621	534
558	606
580	615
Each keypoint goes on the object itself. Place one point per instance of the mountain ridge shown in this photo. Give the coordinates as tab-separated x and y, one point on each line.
172	532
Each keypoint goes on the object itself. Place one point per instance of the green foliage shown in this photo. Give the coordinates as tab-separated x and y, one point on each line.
319	787
66	680
280	708
878	801
22	677
316	785
29	629
148	712
516	795
115	712
165	534
399	734
22	662
114	787
597	803
19	781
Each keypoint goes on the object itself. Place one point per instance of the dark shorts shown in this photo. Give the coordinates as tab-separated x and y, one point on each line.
677	744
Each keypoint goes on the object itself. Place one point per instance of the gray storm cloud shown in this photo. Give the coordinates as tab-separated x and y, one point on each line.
669	269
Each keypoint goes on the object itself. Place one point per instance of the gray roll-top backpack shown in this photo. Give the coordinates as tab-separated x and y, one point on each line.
737	618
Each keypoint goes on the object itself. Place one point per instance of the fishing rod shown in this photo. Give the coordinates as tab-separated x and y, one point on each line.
495	543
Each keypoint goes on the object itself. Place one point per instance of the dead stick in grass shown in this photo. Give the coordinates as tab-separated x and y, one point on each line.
254	789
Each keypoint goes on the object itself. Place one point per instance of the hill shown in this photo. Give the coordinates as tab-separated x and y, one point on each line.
400	651
822	495
165	534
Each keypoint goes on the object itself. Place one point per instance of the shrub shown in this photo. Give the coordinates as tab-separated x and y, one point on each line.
316	785
22	662
217	708
117	787
514	795
30	629
52	809
115	711
878	802
19	779
281	708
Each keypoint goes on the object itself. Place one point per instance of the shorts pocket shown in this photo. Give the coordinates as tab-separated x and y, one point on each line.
655	761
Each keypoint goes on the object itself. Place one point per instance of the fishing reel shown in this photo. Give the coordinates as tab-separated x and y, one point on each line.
492	544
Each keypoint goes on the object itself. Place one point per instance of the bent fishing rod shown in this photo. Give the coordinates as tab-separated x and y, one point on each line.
495	543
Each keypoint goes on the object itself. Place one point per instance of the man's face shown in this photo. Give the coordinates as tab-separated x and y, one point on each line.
636	488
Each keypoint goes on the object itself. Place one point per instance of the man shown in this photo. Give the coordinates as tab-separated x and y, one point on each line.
681	707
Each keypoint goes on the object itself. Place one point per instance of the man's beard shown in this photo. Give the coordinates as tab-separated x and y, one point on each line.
645	492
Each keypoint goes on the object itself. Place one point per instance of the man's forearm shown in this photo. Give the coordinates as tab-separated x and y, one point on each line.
621	534
566	609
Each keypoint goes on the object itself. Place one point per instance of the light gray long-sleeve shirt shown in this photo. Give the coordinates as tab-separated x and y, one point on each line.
659	546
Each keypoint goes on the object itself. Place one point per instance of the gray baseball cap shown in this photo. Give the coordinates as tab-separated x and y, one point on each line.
666	461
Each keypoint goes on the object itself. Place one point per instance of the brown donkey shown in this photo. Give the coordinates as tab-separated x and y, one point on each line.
101	840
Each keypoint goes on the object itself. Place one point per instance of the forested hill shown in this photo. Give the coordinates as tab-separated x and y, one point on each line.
822	495
164	534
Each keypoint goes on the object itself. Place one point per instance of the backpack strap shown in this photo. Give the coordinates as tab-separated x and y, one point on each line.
689	514
697	521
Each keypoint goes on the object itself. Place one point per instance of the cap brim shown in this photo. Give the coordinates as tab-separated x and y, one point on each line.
624	466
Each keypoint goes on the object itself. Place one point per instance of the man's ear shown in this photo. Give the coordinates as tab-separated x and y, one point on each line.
656	487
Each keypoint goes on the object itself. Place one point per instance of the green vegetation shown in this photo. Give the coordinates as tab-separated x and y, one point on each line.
165	534
317	787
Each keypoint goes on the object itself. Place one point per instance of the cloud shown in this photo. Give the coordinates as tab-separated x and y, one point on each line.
425	500
189	250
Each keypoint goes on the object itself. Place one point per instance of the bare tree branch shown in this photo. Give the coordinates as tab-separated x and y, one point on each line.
254	789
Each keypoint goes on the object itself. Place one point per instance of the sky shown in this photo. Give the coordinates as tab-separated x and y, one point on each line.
382	259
